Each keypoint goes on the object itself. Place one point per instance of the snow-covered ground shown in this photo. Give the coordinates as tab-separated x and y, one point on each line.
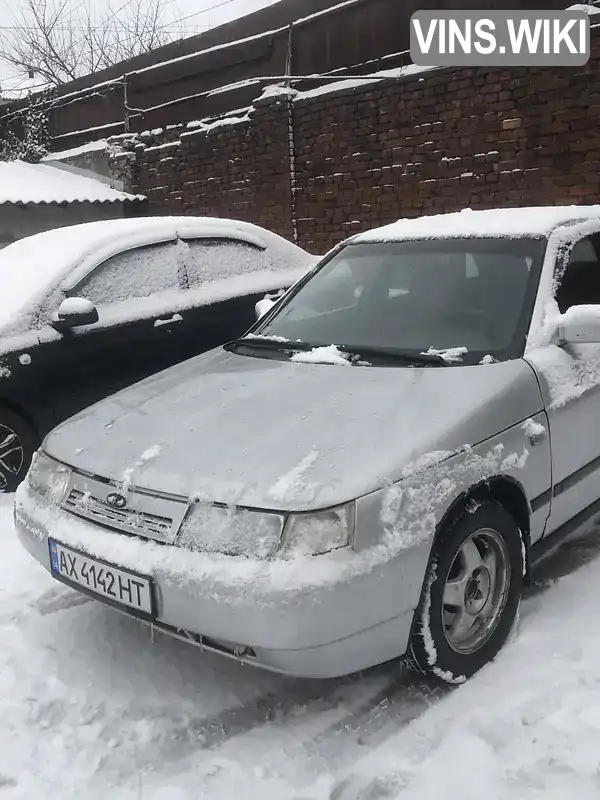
90	708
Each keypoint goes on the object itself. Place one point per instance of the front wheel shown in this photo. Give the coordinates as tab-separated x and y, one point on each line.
471	594
17	445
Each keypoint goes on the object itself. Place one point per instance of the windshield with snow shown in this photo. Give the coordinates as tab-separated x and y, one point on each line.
467	299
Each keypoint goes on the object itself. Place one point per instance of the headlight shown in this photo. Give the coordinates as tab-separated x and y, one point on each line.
316	534
48	478
231	531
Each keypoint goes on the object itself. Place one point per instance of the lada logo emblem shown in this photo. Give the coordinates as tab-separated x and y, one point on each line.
116	500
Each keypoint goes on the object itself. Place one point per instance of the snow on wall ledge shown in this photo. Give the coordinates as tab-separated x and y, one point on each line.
279	93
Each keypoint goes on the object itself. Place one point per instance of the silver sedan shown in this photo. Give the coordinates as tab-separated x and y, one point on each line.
369	473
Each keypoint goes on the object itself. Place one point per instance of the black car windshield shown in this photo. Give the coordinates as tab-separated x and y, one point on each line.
469	299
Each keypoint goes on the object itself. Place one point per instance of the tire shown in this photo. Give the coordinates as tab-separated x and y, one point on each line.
471	595
18	443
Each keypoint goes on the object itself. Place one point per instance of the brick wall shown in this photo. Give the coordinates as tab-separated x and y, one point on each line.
241	171
431	142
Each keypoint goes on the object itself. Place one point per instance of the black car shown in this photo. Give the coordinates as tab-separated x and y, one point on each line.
89	309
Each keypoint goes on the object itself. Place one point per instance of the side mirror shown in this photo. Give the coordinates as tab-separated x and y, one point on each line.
74	311
580	324
265	305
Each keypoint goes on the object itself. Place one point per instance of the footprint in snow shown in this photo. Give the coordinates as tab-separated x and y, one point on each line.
59	599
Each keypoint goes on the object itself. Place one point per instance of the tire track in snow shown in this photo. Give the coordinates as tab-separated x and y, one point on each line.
401	701
188	736
369	720
212	732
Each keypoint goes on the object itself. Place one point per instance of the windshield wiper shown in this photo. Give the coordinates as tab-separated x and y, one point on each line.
268	343
276	344
394	355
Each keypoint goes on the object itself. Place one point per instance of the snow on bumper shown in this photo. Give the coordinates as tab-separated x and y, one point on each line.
320	616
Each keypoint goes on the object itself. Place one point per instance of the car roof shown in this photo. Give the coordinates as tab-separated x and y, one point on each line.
497	222
32	267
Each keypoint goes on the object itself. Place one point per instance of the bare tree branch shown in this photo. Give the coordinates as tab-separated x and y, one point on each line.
61	43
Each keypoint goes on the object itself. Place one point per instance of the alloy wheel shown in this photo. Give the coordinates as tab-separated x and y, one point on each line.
12	456
476	591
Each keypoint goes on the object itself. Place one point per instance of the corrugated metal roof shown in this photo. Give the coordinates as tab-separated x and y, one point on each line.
25	183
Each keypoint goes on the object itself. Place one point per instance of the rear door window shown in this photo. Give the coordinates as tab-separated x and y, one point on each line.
215	259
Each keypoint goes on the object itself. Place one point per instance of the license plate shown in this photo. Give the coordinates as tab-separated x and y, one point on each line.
116	586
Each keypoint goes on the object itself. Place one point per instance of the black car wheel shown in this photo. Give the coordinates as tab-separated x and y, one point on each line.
17	446
471	594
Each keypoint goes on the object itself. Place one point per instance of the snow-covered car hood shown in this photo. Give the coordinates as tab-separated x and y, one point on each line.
292	436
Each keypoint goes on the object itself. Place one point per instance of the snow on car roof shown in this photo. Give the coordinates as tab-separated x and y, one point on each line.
504	222
43	183
32	267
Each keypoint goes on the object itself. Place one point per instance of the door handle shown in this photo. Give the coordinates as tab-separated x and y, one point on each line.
158	323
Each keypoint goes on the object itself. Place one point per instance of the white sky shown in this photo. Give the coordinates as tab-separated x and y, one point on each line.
200	15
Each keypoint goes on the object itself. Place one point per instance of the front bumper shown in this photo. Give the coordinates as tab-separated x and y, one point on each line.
270	614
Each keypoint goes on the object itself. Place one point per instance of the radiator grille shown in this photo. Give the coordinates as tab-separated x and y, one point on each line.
136	522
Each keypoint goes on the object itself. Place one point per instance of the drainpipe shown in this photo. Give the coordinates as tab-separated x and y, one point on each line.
125	105
290	50
291	135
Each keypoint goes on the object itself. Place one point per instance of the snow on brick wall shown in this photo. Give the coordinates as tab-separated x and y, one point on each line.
427	143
